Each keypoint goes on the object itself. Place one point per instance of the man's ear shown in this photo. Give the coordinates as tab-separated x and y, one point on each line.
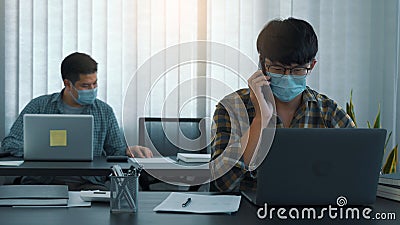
66	83
313	62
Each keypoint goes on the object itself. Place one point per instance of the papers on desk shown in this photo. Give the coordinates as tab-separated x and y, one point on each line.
199	203
166	163
75	200
193	157
155	160
155	163
11	163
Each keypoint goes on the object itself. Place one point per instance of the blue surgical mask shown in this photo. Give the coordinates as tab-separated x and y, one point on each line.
85	97
287	87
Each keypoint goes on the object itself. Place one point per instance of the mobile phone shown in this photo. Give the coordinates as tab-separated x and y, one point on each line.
117	158
4	154
264	88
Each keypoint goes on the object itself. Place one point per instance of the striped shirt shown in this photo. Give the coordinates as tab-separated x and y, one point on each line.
107	136
232	118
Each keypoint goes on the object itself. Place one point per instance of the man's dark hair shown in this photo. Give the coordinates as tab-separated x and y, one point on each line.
287	41
75	64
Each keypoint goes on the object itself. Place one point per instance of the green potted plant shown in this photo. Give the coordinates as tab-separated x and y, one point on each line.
391	161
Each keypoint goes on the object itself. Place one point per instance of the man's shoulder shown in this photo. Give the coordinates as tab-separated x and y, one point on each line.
322	99
317	95
102	105
45	98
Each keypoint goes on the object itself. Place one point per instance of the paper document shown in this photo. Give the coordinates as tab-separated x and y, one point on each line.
156	163
194	203
153	160
193	157
11	163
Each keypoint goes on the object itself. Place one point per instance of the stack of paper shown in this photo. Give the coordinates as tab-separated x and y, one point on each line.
155	163
389	186
192	157
24	195
193	203
11	163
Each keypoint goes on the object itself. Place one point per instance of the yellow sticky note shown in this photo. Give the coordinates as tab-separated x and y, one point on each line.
58	138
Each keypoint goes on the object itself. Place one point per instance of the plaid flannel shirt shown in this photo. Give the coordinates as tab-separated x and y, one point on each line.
107	136
232	118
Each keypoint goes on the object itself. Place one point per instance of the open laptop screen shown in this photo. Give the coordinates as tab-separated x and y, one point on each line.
58	137
315	166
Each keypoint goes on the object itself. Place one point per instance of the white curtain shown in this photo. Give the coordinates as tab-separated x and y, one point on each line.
358	49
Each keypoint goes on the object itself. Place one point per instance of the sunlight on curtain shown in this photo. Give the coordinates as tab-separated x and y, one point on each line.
120	35
358	49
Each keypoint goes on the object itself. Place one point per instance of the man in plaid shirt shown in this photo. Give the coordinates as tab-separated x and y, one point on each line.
287	50
79	96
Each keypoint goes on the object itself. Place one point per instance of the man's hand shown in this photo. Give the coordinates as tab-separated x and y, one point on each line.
139	152
264	109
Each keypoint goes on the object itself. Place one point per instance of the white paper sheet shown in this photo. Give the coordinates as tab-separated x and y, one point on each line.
11	163
199	203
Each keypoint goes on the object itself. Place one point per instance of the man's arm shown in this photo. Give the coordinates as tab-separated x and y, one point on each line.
114	143
226	151
14	142
236	141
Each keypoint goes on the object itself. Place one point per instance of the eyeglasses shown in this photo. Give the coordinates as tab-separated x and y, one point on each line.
298	70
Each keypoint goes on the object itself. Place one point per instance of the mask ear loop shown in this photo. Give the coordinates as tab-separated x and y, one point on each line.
72	95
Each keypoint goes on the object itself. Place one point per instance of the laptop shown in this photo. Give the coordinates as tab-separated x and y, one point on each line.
320	166
58	137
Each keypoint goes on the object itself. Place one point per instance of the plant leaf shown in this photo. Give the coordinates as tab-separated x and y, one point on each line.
350	108
377	122
391	161
387	140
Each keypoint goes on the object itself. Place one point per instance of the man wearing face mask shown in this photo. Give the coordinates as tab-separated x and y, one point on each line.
79	96
287	50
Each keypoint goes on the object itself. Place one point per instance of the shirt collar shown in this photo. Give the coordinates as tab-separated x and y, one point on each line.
57	98
309	95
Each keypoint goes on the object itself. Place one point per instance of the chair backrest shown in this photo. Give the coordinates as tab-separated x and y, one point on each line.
170	136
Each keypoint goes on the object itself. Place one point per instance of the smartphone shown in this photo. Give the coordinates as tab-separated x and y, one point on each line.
264	88
115	158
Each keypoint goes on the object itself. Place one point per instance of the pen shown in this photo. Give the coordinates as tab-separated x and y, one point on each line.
187	202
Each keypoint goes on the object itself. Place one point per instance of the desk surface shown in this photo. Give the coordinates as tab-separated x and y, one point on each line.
99	214
98	167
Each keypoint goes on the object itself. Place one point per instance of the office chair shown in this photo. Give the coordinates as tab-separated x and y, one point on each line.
162	135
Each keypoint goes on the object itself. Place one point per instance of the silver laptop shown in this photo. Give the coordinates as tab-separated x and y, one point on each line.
58	137
318	166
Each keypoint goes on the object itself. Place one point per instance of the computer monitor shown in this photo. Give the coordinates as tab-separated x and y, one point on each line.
170	136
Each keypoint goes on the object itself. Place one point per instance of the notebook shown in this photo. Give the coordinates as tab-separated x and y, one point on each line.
194	157
320	167
33	195
58	137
